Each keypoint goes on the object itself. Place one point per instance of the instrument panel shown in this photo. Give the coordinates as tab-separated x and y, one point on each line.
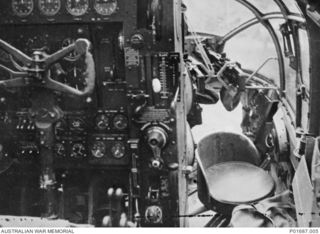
93	131
23	11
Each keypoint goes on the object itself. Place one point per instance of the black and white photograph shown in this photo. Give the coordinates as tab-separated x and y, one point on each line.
159	114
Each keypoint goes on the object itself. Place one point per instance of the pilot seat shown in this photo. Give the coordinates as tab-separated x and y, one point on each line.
229	174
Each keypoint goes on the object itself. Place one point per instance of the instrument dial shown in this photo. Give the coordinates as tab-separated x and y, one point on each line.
105	7
77	125
78	151
118	150
60	150
98	149
49	7
22	8
120	122
77	7
102	122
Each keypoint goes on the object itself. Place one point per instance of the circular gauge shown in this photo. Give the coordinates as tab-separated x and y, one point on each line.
22	8
60	150
49	7
102	122
120	122
105	7
98	149
78	151
77	125
118	150
77	7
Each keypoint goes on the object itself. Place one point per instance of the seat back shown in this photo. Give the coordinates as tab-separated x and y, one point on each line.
222	147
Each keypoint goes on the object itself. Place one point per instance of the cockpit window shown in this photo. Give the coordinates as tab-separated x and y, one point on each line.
216	16
292	6
305	57
251	48
265	6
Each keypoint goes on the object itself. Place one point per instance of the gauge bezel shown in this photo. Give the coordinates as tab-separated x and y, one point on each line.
105	14
118	116
121	145
46	13
19	14
102	145
106	119
75	14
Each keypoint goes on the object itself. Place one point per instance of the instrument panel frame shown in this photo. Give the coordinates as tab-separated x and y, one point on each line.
7	15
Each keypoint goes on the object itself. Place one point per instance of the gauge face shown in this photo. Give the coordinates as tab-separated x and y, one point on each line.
78	151
105	7
120	122
49	7
60	150
77	125
77	7
22	8
118	150
102	122
98	149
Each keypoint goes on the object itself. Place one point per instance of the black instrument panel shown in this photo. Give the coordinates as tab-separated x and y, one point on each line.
44	11
89	123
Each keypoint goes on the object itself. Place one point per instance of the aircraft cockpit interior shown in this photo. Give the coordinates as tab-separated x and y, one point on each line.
120	113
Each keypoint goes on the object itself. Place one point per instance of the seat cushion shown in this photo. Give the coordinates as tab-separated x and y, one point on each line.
238	183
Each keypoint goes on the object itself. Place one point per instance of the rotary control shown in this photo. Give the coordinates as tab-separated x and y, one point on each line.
157	138
153	214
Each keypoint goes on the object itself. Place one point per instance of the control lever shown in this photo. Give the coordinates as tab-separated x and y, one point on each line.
115	199
157	139
139	101
35	70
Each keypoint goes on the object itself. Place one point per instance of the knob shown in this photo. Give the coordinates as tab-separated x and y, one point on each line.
157	139
153	214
